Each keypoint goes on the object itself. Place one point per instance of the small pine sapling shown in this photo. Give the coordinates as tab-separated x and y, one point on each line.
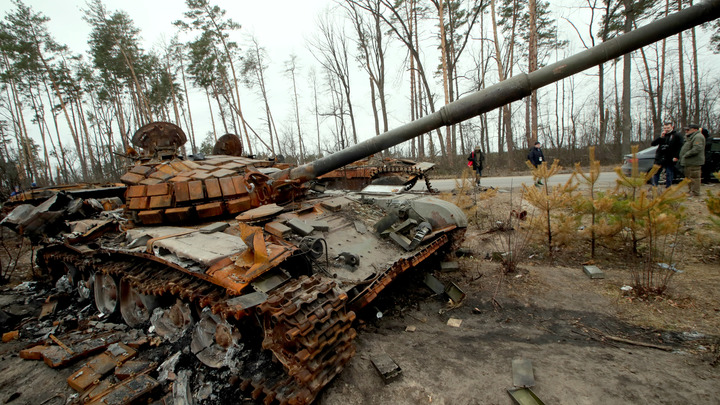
588	204
713	204
656	218
467	197
548	199
629	188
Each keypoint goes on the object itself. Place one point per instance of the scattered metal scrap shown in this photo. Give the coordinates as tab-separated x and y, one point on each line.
100	366
8	336
109	378
452	291
523	379
524	396
388	369
378	171
74	348
522	373
593	272
449	266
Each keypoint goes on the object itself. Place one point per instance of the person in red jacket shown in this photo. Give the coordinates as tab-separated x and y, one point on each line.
475	159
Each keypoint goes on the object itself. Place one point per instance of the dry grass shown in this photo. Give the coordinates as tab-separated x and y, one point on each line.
692	302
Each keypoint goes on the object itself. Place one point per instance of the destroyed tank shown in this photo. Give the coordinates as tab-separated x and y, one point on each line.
389	171
241	254
261	270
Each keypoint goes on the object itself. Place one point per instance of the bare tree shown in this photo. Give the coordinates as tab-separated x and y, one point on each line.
211	19
696	76
372	50
316	108
403	24
333	55
506	111
681	72
532	66
290	68
253	71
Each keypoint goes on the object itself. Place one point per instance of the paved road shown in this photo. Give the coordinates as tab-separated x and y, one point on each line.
607	180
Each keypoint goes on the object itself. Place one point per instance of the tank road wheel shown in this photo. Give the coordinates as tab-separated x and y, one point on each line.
107	293
81	282
308	329
214	340
171	323
135	307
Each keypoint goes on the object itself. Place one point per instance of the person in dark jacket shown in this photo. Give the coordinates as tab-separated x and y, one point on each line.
536	158
667	154
475	159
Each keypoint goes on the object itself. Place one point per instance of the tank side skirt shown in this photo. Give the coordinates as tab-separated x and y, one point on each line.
373	289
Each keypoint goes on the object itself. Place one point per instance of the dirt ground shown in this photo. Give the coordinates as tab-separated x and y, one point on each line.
588	341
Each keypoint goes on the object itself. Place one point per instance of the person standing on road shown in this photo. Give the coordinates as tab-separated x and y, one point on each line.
692	157
475	159
536	158
667	154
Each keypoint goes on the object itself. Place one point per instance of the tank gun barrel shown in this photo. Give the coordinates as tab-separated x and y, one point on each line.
514	88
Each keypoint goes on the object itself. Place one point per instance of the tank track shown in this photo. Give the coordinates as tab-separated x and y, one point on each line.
309	331
306	326
405	169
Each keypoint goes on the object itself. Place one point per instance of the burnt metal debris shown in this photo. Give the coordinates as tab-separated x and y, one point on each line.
523	373
264	296
386	367
381	171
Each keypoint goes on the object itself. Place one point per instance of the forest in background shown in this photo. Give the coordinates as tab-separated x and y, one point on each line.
67	117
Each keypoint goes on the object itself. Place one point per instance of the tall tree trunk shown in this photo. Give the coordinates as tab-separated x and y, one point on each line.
143	108
443	55
235	81
681	72
60	156
120	114
212	117
417	91
506	113
533	65
39	120
661	77
193	141
410	42
696	76
654	111
172	90
317	113
301	147
221	111
22	137
627	72
111	158
81	117
56	88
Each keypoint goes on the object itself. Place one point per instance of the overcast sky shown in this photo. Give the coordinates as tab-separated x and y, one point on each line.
280	24
282	27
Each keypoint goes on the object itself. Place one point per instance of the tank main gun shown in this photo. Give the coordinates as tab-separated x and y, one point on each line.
512	89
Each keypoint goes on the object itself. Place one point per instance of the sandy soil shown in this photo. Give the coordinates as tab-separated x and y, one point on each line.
563	327
549	312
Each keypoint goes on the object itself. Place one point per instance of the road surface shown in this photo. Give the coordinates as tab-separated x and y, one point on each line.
606	180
